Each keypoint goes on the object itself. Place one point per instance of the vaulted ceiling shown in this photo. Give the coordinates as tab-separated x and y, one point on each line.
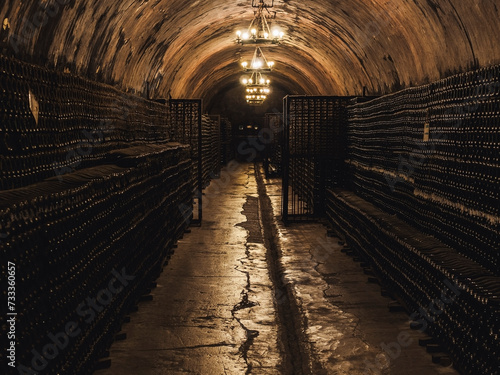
186	47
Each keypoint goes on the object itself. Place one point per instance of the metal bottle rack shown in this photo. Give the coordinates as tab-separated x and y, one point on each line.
313	153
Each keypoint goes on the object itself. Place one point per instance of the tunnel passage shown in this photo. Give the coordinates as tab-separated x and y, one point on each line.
90	164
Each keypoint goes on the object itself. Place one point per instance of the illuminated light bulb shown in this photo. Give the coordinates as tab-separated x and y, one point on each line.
276	33
281	35
244	64
250	81
245	81
268	81
270	64
257	64
266	35
262	81
238	33
245	36
254	31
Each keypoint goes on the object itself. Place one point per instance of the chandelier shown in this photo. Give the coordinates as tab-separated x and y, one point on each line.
259	31
257	88
259	63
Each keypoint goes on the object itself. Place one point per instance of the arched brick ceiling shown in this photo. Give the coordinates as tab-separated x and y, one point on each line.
185	47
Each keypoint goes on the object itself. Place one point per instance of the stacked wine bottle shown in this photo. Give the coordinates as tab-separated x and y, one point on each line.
424	206
227	144
53	123
210	136
91	188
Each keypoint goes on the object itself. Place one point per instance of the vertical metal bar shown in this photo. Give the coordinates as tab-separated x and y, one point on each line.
219	146
200	165
285	160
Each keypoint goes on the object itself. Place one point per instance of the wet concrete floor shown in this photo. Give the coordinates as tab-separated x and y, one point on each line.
244	294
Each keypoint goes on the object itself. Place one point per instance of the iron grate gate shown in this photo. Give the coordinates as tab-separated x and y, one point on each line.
313	153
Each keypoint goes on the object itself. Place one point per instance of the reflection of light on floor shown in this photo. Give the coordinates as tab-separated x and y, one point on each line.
332	333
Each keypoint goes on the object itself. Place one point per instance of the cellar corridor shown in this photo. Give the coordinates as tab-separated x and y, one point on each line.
250	187
212	311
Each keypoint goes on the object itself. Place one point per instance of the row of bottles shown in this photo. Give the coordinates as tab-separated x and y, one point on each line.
433	157
226	140
92	200
424	207
69	238
53	123
210	149
453	299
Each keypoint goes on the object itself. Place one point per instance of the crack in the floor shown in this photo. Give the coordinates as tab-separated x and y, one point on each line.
216	345
245	303
317	264
360	332
325	295
250	334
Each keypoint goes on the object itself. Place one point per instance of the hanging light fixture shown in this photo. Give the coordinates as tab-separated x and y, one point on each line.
259	63
257	88
259	31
